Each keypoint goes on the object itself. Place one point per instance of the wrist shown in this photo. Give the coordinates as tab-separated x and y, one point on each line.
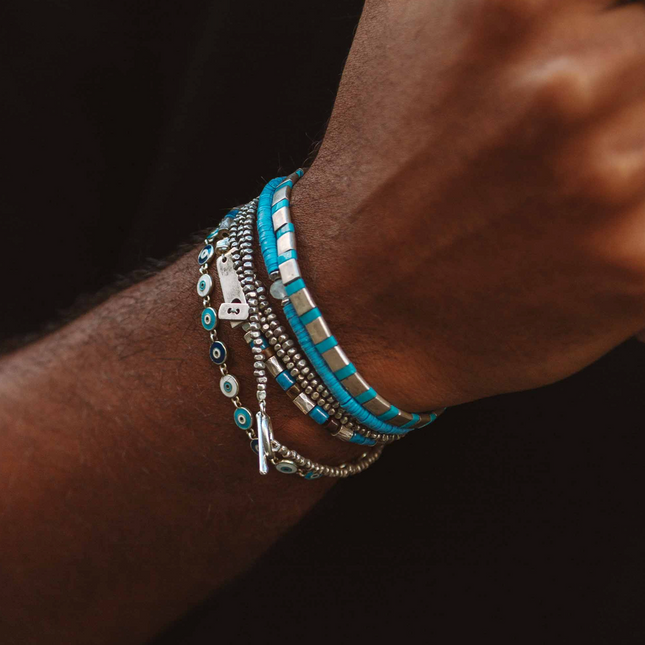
365	288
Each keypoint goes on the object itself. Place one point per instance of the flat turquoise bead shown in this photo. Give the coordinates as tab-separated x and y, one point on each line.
283	230
345	372
310	316
326	345
390	414
319	415
279	205
366	396
242	418
312	474
294	286
209	319
284	380
291	254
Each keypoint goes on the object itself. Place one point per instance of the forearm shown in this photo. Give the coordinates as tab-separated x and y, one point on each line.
128	494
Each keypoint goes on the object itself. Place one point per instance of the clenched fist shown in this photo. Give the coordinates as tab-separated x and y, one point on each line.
475	218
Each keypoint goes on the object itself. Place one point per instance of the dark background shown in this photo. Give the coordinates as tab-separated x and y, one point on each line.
125	127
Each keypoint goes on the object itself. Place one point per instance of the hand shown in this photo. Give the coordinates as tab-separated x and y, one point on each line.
474	220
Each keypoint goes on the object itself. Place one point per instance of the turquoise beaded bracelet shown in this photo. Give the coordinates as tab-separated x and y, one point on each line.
321	347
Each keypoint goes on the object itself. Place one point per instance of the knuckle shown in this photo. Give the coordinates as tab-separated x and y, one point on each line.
561	92
606	179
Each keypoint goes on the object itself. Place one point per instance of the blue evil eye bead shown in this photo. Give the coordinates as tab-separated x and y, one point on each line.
204	285
287	467
229	386
206	254
218	352
312	474
209	318
242	418
255	446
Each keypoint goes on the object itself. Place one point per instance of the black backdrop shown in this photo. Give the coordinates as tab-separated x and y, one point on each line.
126	126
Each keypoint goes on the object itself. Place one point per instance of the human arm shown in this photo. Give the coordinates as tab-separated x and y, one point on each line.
115	441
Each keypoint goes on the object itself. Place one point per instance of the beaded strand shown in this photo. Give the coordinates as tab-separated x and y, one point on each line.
285	460
310	328
294	366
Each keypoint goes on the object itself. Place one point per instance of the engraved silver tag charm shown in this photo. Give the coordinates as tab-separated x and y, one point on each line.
265	436
231	291
233	311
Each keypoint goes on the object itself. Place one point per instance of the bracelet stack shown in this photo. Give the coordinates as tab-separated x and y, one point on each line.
313	370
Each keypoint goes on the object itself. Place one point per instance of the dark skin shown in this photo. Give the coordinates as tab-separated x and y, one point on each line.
482	187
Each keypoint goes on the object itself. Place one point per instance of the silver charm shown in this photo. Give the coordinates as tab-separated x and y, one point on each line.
233	311
230	284
265	437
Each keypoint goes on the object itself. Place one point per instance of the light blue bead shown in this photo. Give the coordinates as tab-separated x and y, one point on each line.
284	380
346	371
283	230
279	205
209	319
294	286
291	254
361	440
311	315
433	416
243	418
326	344
366	396
390	414
319	415
313	475
411	424
232	213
